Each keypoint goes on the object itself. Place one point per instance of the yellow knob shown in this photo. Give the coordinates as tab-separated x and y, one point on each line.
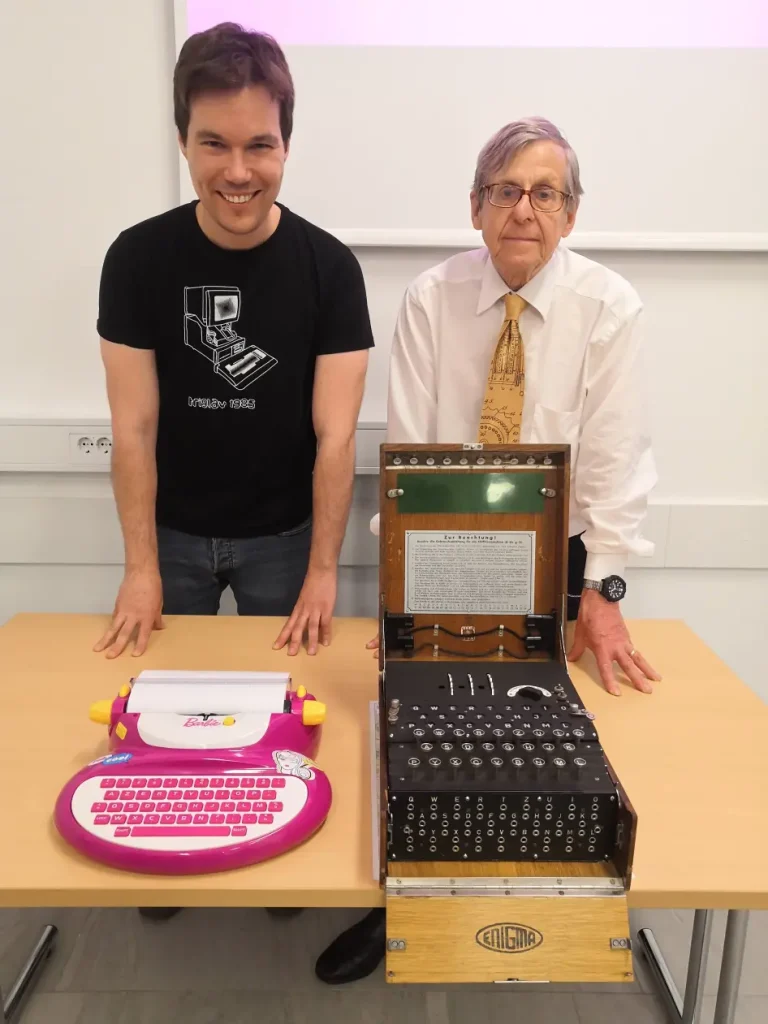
301	691
229	720
313	712
125	690
101	712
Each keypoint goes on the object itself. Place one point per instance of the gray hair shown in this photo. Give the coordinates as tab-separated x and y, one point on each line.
507	143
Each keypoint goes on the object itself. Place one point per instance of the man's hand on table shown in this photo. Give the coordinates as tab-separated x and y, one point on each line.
137	610
312	614
373	645
601	628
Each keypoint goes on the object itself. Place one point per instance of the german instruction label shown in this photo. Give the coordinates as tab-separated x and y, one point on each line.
474	573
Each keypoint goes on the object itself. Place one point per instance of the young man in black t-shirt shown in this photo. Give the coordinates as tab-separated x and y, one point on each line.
235	338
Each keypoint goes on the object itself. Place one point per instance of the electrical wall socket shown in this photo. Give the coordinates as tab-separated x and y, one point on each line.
95	448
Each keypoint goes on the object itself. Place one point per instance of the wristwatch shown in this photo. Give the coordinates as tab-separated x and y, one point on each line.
613	588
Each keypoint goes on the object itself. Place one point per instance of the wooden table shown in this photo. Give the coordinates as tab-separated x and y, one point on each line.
693	758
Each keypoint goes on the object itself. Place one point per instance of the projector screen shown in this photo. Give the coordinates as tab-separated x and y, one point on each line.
664	102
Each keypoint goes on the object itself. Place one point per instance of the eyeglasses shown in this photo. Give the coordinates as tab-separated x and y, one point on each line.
542	198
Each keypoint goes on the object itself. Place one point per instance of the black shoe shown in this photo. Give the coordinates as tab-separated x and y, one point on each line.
159	913
284	911
355	953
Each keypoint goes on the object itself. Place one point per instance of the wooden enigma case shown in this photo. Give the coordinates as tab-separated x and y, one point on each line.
506	838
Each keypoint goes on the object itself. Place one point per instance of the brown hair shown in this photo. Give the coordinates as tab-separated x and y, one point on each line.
227	58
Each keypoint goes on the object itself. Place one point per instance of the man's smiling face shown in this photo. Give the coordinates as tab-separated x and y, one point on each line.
236	156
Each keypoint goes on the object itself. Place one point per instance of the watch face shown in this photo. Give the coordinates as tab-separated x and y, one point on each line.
614	588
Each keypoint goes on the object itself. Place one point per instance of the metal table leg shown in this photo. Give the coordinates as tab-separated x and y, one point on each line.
679	1010
730	968
23	984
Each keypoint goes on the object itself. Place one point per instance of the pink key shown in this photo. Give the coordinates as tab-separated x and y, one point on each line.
239	830
101	819
139	783
118	819
123	783
184	819
211	806
201	783
112	795
164	806
136	819
98	808
107	783
186	783
160	794
217	819
190	794
170	783
154	783
250	819
168	819
181	806
143	794
269	794
265	819
144	808
206	794
233	819
174	794
217	783
248	783
122	833
152	819
243	806
114	808
131	807
238	794
201	819
221	794
196	807
232	783
259	805
276	806
128	794
228	806
278	783
175	832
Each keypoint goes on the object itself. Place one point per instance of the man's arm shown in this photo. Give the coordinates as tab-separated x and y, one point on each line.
412	398
133	398
614	475
336	399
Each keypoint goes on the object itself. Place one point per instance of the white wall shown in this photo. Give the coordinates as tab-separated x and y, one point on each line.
93	152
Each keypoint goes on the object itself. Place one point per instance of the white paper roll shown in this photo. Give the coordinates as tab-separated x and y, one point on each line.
209	693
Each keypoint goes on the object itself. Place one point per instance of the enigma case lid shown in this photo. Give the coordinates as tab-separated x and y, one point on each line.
473	539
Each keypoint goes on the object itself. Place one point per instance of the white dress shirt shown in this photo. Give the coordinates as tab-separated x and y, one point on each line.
583	382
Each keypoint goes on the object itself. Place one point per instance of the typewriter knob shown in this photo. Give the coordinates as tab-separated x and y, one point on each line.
313	712
101	712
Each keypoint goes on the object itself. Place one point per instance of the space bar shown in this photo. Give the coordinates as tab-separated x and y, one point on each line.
164	831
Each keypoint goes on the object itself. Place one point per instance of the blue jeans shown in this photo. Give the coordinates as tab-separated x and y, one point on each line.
265	573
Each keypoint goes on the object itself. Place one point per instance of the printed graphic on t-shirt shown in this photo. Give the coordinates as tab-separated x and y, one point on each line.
210	328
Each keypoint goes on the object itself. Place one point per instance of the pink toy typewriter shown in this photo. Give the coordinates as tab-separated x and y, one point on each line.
208	771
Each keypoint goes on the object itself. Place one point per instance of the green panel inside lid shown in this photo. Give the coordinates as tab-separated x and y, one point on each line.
471	492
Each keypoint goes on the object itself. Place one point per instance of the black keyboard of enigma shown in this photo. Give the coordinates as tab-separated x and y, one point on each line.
501	827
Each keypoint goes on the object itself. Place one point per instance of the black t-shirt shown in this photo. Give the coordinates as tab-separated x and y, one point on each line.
235	334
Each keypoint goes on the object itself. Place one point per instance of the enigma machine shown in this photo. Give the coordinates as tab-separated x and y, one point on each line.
507	838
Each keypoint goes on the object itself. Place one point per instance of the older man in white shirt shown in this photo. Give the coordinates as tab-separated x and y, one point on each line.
524	340
568	370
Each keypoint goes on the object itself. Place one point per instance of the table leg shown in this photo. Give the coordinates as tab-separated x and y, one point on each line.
25	980
730	968
679	1010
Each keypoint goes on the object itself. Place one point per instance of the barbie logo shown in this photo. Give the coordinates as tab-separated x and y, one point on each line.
192	722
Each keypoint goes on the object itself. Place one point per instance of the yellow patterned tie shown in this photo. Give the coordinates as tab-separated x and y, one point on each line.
502	411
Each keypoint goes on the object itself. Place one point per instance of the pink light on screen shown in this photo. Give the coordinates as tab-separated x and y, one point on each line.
566	23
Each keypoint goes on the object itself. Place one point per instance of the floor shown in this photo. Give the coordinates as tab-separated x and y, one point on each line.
238	966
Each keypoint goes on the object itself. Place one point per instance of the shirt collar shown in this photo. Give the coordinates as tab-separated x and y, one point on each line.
537	292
